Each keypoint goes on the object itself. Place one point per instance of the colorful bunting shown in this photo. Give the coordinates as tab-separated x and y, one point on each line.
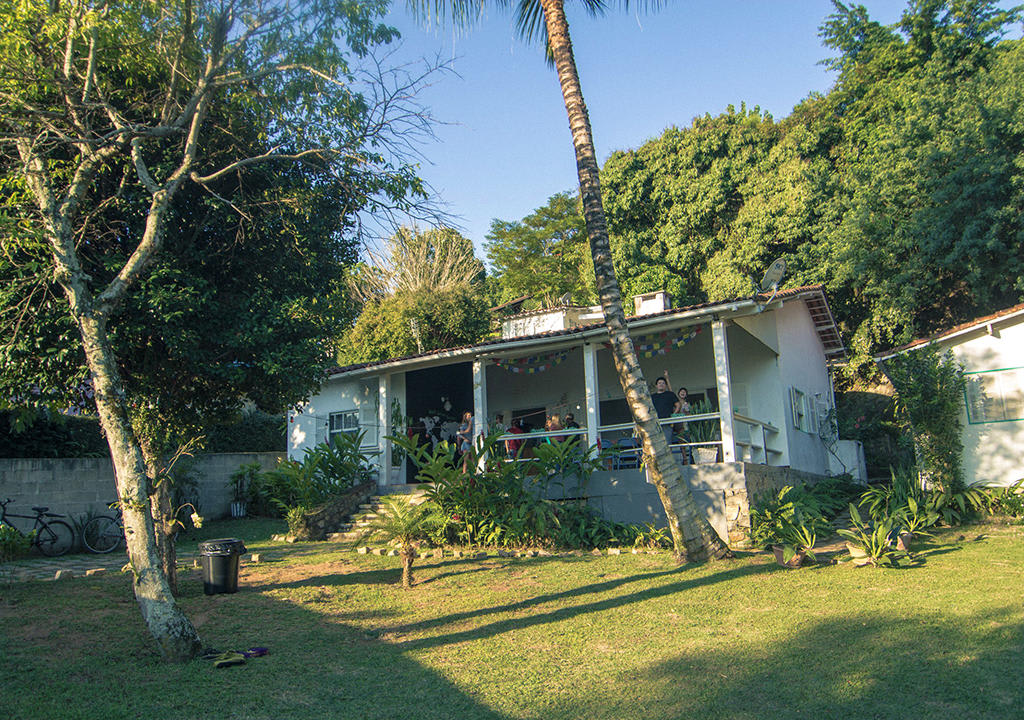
648	346
533	363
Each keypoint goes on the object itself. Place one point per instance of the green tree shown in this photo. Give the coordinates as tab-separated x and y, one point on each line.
84	131
424	292
919	227
693	536
702	211
544	255
406	324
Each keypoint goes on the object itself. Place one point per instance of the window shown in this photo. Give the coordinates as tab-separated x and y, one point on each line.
805	411
343	422
995	395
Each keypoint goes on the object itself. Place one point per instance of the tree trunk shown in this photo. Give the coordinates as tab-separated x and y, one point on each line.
174	634
408	556
693	537
162	509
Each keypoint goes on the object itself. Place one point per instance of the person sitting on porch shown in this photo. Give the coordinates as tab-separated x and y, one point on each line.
554	423
513	446
570	422
664	401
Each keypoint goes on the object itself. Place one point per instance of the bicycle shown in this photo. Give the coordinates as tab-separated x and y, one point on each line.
104	533
52	537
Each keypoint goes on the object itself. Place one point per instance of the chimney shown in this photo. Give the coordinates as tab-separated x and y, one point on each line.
651	303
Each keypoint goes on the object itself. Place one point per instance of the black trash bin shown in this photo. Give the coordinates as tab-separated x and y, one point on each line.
220	564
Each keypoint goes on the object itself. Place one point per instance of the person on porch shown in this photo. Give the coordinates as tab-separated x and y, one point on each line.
664	401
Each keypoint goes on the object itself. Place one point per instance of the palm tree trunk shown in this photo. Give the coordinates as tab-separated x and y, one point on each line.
693	537
408	557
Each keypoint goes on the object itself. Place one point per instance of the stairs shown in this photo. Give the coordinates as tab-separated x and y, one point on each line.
356	527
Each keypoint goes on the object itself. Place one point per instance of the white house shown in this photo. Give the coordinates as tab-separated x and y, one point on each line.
991	351
762	363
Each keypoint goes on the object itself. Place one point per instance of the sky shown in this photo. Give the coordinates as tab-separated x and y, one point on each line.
504	147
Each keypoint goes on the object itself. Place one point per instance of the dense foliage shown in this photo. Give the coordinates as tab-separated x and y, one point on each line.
537	501
929	401
545	255
325	471
425	293
901	189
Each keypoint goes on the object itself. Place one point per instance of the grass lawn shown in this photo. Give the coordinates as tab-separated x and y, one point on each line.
629	636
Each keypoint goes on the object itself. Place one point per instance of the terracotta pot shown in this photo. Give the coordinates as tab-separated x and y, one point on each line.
794	562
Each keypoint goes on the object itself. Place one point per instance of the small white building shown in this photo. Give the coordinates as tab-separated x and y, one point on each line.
761	363
991	351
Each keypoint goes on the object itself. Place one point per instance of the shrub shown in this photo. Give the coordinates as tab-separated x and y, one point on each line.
326	470
13	544
929	394
507	503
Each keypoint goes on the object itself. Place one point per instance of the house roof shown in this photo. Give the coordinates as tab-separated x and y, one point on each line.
957	330
812	295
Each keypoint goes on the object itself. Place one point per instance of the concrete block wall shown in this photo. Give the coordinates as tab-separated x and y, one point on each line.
75	486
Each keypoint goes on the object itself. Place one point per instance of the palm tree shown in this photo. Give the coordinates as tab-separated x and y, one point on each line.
693	537
406	525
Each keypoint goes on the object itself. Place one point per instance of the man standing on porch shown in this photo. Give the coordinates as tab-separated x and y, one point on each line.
664	401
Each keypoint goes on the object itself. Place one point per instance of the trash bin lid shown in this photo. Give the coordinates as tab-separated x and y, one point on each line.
222	546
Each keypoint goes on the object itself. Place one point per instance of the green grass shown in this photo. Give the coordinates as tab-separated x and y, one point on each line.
581	636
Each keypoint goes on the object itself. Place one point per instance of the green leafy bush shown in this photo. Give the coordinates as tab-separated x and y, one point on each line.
13	544
509	503
325	470
871	545
929	397
1007	500
789	518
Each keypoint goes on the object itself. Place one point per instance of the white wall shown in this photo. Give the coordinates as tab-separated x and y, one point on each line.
993	451
310	425
757	389
559	389
802	365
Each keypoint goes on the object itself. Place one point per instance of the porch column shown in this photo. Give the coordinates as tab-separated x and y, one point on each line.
724	382
480	421
590	383
384	424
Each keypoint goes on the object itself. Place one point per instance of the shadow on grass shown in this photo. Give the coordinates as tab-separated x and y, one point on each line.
86	655
886	666
565	613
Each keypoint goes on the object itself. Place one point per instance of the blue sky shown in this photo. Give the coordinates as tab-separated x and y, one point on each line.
506	146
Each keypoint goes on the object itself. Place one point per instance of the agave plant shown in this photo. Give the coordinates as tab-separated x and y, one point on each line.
871	545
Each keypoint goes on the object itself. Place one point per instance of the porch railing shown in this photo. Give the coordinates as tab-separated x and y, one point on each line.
756	441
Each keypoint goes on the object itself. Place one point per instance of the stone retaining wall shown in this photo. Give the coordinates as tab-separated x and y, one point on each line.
331	516
75	486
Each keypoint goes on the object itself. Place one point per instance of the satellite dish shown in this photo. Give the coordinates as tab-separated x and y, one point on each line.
771	278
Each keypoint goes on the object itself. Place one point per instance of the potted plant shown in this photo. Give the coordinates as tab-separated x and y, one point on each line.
239	483
704	431
796	540
912	521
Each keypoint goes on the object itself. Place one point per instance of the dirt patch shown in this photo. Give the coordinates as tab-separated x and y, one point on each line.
290	574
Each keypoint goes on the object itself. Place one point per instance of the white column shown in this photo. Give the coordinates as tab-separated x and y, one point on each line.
384	423
480	419
724	383
590	382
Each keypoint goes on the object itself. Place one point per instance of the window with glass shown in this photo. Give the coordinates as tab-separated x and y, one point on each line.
995	395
